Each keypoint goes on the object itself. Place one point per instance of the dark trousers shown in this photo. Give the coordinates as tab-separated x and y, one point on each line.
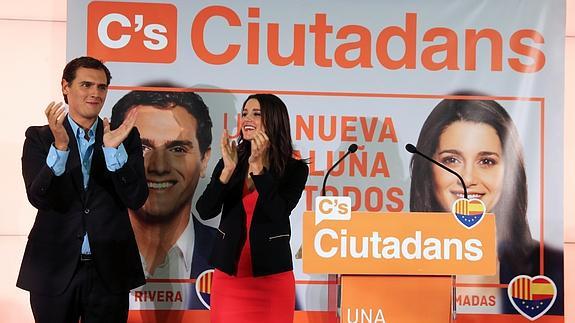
86	298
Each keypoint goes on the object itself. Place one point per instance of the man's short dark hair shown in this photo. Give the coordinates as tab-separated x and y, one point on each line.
69	73
190	101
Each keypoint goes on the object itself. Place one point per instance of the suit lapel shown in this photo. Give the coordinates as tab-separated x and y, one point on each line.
203	240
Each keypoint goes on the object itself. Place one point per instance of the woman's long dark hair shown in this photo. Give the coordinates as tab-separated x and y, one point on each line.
513	235
275	119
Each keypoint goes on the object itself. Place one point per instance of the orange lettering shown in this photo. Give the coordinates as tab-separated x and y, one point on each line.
347	126
363	45
449	47
379	165
472	37
376	207
348	191
253	37
407	35
356	164
394	194
535	54
387	131
320	29
322	128
297	56
312	170
338	171
302	126
198	30
309	192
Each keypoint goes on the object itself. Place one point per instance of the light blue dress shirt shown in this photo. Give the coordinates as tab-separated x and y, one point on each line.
115	159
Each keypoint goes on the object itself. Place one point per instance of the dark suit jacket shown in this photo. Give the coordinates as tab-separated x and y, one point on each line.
270	227
66	211
203	241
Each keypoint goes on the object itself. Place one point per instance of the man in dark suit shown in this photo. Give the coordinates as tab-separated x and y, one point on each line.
176	131
81	259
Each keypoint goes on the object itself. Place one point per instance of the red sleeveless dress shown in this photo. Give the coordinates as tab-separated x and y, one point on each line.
245	298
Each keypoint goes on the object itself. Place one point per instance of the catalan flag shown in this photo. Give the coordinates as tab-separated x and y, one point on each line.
204	283
204	287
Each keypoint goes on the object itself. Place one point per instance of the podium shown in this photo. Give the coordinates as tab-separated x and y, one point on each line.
396	267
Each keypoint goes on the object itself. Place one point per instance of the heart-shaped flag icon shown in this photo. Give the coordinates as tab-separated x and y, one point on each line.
204	287
532	297
468	212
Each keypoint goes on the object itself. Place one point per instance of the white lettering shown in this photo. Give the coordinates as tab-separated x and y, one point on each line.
474	251
103	30
317	243
411	247
154	32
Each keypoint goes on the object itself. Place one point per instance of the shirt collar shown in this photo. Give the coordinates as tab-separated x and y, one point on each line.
79	132
183	248
183	243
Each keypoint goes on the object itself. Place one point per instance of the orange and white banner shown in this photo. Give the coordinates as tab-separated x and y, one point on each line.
380	74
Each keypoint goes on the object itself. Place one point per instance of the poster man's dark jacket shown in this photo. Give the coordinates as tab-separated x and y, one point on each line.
270	227
66	210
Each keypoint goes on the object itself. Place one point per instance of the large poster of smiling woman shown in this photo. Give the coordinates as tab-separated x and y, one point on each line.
476	137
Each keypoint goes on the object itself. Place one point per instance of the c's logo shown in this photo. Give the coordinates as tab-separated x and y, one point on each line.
332	208
132	32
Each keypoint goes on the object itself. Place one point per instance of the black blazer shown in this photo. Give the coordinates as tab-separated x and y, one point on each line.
66	211
270	227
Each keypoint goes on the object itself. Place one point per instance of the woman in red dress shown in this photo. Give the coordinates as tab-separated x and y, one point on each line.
255	186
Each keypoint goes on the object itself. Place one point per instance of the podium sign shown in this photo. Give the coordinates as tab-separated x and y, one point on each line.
398	243
396	299
396	267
